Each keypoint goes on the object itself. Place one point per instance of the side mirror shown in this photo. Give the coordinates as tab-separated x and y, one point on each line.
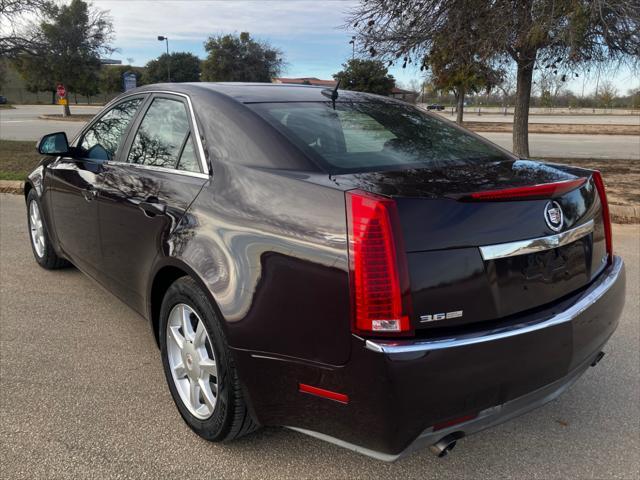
53	144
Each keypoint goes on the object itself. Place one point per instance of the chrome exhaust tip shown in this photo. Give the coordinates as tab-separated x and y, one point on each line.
447	443
597	359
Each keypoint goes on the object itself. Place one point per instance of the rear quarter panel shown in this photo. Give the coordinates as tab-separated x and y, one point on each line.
272	249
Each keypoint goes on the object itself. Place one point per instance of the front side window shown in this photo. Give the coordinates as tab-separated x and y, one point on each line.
102	140
163	138
374	136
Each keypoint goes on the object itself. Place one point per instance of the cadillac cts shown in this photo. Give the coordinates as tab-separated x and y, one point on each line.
342	264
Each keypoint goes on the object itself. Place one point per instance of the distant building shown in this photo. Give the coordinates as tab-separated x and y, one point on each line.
110	61
399	93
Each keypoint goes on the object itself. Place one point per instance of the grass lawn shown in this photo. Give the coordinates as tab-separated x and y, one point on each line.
622	177
17	159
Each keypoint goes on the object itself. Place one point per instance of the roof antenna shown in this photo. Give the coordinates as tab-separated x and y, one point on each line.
333	94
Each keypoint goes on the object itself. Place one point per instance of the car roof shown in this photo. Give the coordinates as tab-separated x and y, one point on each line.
262	92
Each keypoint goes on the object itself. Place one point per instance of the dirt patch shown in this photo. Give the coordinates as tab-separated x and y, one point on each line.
584	129
75	117
621	177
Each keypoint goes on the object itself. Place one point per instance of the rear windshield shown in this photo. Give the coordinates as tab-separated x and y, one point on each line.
370	136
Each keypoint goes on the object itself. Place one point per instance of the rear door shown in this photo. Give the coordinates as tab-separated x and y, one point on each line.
144	194
73	180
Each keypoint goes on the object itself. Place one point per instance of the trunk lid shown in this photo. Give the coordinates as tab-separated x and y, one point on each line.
454	281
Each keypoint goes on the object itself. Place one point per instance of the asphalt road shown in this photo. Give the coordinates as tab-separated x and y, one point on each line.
23	123
83	395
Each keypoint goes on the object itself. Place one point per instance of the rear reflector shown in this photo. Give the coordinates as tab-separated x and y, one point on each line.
455	421
321	392
381	302
543	190
606	219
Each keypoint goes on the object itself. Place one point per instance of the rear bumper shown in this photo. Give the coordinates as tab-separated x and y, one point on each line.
487	418
400	389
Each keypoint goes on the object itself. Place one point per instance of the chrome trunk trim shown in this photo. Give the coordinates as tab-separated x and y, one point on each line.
587	298
540	244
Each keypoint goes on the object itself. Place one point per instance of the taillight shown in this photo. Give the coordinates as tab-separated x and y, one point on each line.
532	192
606	219
381	302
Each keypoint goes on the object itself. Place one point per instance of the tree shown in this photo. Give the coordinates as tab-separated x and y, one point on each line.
239	58
185	67
71	42
560	34
18	34
607	93
366	76
549	86
3	72
508	88
456	64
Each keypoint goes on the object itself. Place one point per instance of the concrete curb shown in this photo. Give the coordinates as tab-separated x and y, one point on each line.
78	117
11	186
619	213
624	213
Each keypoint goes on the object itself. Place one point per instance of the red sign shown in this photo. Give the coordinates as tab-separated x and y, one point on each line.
62	92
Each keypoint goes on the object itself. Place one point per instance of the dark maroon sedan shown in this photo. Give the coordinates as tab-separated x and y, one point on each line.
342	264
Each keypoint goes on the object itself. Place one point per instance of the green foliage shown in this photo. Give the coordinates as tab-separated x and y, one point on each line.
184	67
546	100
458	65
3	72
366	76
239	58
70	44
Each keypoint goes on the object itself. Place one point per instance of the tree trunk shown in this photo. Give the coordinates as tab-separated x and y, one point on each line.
521	107
460	106
53	97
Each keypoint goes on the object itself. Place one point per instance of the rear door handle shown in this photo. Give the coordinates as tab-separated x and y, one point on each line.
89	193
152	207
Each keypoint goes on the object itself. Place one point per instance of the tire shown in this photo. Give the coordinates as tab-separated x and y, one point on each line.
229	417
39	238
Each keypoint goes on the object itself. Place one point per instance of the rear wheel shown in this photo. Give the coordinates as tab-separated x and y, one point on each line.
198	365
41	246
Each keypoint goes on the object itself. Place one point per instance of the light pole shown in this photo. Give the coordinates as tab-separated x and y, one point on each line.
353	47
162	38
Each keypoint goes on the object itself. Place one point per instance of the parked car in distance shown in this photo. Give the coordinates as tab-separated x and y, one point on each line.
342	264
435	106
3	100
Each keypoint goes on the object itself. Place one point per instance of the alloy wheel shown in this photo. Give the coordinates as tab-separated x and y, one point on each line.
192	361
36	228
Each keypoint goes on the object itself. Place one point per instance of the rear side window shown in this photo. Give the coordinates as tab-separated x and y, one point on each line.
102	140
163	138
188	160
378	135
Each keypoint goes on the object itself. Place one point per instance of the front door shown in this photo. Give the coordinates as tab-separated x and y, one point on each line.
73	184
75	213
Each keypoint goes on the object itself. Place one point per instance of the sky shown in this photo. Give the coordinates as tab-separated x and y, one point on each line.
308	32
